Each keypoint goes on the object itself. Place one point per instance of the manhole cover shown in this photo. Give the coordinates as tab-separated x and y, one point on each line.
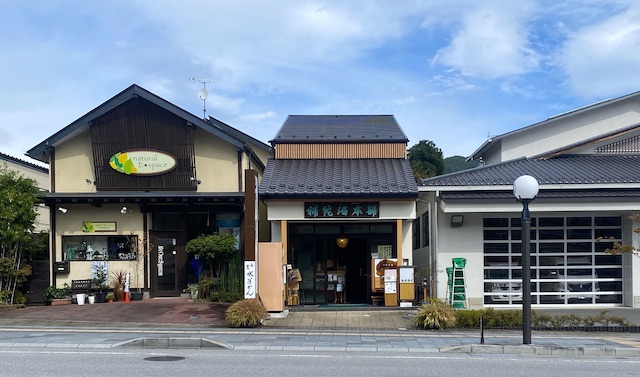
164	358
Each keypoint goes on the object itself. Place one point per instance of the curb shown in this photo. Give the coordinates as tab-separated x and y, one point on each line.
171	343
542	350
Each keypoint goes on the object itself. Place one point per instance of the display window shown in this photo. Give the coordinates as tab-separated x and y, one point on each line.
92	248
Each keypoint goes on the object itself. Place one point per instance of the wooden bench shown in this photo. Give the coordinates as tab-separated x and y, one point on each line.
80	286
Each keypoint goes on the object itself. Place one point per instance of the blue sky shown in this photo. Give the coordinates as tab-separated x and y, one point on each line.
454	72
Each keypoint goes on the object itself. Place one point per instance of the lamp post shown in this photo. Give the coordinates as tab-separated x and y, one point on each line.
525	189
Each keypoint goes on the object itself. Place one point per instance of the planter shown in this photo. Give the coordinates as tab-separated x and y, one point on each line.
91	299
136	296
101	297
60	301
118	291
81	297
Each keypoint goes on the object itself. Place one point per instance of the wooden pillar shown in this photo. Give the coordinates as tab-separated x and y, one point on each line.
284	238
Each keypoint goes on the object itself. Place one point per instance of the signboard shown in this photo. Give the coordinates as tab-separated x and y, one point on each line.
250	281
101	226
142	162
338	210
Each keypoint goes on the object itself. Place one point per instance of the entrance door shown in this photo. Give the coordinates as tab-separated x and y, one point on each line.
165	262
356	258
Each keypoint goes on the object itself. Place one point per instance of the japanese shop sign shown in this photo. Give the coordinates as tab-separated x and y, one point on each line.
342	210
250	279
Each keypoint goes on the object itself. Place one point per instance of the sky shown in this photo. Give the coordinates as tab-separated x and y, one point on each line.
454	72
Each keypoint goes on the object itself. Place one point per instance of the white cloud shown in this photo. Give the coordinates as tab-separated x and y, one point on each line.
603	59
492	42
253	118
406	101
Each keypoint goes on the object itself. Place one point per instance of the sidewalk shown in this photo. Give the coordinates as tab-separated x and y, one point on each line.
174	323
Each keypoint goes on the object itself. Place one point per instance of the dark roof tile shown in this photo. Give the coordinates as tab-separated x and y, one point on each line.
338	178
565	169
340	129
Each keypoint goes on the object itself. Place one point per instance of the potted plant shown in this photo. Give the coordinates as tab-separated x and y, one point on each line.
193	289
117	281
109	297
140	247
100	284
57	296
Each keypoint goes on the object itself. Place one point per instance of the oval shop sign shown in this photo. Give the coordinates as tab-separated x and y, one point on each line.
142	162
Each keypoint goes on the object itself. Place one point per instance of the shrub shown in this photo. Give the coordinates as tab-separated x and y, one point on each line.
225	297
468	318
246	313
435	315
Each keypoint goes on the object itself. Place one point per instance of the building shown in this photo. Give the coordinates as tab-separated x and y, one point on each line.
587	163
341	198
40	175
133	180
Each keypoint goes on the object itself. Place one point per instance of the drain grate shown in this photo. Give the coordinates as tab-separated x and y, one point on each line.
164	358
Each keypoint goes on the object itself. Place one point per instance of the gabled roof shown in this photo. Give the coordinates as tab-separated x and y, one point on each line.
40	152
23	163
565	169
495	139
340	129
339	178
603	137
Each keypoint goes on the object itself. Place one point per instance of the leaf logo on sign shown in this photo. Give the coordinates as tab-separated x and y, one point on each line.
142	162
121	162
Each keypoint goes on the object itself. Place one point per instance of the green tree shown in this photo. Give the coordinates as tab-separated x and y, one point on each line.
457	163
18	197
214	248
426	160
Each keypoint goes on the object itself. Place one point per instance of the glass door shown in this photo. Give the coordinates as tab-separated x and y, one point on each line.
164	262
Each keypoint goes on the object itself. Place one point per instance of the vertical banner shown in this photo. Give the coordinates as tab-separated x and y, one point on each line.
250	214
250	281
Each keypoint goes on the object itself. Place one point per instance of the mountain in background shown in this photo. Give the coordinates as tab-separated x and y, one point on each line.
457	163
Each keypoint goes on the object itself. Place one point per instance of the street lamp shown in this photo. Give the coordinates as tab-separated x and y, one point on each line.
525	189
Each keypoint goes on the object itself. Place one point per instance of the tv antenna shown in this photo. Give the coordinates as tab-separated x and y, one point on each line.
202	94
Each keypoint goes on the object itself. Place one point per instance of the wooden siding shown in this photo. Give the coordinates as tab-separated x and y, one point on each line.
139	124
338	151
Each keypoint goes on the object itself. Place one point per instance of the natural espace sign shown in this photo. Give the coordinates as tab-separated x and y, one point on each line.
142	162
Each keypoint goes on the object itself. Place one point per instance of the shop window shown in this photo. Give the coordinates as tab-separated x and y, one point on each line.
363	229
567	255
608	221
578	221
381	228
327	229
301	229
495	222
493	234
551	221
91	248
415	234
579	234
425	229
167	221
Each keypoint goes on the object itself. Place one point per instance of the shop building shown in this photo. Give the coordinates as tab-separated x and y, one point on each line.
341	199
133	180
587	163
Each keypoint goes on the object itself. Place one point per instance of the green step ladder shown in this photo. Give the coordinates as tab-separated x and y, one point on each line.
457	287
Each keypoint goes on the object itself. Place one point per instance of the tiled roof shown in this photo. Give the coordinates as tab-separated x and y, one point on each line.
565	169
340	129
543	194
350	178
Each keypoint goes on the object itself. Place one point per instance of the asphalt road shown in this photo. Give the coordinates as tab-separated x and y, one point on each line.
195	363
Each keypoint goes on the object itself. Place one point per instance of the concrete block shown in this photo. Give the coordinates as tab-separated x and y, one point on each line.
160	343
487	348
522	349
568	351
